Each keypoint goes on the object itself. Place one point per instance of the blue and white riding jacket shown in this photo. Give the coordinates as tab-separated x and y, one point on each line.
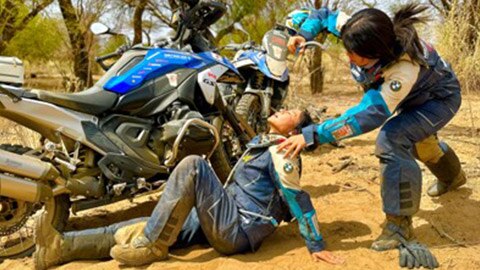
266	188
388	87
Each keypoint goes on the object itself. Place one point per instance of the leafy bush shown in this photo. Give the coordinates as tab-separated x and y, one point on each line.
41	40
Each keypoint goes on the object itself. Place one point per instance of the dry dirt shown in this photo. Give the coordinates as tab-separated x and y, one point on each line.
348	206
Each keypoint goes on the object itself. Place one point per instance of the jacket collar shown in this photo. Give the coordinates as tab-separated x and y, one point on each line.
266	140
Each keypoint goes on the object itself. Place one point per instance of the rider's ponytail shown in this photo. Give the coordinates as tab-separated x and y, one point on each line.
407	37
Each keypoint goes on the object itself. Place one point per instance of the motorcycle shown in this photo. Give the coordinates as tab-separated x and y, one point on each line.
265	68
122	137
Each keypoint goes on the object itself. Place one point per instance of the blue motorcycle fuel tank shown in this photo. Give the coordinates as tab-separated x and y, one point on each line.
159	62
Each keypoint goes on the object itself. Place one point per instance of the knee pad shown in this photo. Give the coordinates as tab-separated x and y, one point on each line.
430	150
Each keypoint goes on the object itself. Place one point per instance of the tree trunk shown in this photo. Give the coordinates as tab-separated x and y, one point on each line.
316	78
315	67
473	20
78	44
137	21
9	17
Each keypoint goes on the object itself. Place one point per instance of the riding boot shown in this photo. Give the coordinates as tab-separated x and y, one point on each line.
133	248
448	171
53	248
395	226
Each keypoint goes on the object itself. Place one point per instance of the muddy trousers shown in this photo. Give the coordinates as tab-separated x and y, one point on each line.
193	209
194	185
409	135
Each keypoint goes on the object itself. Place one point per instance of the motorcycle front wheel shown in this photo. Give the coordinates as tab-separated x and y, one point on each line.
250	109
228	150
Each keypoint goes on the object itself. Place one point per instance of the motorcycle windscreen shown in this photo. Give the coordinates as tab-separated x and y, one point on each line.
275	43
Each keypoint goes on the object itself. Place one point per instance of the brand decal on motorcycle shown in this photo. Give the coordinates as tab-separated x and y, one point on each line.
209	82
172	79
211	75
280	41
177	56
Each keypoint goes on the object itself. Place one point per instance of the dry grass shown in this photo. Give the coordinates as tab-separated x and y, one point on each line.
455	46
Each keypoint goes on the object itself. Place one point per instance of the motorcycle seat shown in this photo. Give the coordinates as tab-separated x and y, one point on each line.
94	100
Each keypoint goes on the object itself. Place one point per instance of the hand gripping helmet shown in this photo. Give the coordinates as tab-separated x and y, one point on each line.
295	19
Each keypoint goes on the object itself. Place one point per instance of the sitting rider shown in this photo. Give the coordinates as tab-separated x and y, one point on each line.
262	190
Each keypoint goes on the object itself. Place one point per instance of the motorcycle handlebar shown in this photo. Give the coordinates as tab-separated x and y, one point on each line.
100	59
106	57
245	46
232	47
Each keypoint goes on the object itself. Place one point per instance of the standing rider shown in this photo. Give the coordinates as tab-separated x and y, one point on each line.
408	88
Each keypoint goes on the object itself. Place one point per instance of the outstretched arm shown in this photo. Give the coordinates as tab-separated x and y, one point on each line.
310	22
323	19
376	106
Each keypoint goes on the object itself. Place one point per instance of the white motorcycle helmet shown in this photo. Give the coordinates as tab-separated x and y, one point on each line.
275	44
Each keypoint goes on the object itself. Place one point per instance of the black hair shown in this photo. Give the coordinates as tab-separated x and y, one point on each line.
372	34
305	120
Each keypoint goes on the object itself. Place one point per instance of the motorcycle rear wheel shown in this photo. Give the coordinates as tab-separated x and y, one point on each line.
17	218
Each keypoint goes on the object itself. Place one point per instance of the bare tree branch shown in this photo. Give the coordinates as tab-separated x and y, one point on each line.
432	3
154	10
369	5
37	9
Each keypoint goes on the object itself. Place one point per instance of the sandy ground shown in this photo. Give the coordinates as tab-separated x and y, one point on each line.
348	205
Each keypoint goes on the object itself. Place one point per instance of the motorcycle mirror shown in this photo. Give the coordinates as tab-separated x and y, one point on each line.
99	28
238	26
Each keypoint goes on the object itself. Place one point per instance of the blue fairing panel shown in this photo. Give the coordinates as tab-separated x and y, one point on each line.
156	63
259	59
159	62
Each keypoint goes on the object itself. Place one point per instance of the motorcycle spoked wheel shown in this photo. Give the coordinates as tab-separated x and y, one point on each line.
17	218
250	109
228	150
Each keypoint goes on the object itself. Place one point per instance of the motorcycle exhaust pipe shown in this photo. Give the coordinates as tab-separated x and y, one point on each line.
29	167
24	189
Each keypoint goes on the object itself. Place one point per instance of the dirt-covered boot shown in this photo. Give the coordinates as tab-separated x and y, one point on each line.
394	228
449	174
48	244
133	248
53	248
